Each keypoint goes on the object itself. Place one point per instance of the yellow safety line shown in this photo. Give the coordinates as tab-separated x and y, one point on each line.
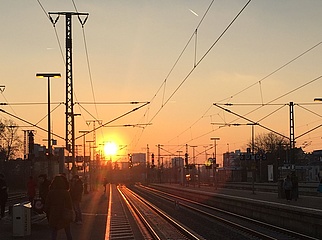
108	220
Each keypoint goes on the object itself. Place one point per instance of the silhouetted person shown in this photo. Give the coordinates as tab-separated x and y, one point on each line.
3	194
57	206
104	184
76	193
287	185
319	189
295	186
31	189
65	180
44	184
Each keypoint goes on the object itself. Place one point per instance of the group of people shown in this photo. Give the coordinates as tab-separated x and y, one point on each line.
291	186
60	198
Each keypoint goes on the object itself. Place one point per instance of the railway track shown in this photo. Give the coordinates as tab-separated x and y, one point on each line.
247	228
154	223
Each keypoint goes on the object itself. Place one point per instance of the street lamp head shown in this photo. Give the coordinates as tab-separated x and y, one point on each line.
43	75
251	124
84	131
215	138
317	99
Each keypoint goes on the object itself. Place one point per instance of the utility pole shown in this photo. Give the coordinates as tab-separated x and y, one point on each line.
193	154
159	148
70	123
214	160
29	144
292	138
94	131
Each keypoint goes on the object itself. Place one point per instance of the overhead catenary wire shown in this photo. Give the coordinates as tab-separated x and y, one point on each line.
87	58
270	102
251	121
203	56
164	102
198	62
163	84
285	94
85	44
54	25
113	120
260	82
31	124
273	72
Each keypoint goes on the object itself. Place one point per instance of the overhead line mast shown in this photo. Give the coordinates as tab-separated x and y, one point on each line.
70	123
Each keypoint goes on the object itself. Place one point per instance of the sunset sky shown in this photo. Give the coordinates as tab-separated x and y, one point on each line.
269	56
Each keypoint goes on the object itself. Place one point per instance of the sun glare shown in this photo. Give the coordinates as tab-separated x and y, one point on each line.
110	148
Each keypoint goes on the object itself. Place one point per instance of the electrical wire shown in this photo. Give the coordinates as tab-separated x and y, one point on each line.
198	62
119	117
55	30
203	57
88	65
251	121
264	78
275	71
273	100
31	124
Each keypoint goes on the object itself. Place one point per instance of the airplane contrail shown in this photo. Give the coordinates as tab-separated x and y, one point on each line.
193	12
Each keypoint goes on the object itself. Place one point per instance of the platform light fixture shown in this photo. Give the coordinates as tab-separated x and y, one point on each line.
48	76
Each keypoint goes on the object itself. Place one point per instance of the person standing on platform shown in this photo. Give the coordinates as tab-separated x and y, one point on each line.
319	189
58	207
44	184
104	184
76	192
295	186
65	180
287	185
3	194
31	189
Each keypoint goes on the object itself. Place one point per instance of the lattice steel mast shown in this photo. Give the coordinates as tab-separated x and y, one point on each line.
70	123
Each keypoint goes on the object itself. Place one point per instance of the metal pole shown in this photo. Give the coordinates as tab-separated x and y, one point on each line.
214	159
253	156
50	173
84	158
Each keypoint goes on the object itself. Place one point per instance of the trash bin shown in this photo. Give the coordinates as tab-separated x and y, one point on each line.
21	219
280	188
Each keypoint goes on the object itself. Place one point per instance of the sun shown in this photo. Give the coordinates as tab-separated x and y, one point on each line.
110	148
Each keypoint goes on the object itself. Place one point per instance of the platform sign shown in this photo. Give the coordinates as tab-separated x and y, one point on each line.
270	175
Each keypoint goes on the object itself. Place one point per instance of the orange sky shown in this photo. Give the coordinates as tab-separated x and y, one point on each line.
131	49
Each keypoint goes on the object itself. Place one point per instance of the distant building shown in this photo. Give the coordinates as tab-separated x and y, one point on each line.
177	162
138	158
232	159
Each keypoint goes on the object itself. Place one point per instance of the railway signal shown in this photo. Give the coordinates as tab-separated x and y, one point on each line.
130	160
152	157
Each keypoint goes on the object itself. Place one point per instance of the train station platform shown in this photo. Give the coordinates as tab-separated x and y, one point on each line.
94	208
304	201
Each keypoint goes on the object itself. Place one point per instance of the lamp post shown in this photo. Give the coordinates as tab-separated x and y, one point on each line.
253	156
84	132
48	76
90	170
214	159
175	164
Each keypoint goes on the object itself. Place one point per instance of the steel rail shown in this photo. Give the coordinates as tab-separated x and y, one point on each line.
253	232
181	228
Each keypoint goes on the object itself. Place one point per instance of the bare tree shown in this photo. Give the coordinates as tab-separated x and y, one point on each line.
269	143
11	144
